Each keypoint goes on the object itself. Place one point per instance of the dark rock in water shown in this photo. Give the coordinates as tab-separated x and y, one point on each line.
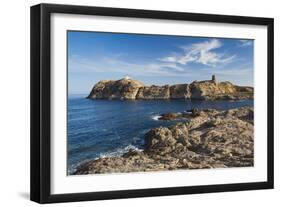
211	139
182	115
195	112
169	116
200	90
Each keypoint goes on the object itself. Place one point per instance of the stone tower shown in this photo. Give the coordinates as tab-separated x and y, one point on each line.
214	78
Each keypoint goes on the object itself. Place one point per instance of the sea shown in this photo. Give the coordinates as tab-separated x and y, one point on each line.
103	128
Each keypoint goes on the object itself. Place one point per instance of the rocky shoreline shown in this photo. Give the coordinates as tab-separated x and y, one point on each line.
128	89
206	139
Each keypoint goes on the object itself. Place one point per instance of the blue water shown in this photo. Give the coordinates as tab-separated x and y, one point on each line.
98	128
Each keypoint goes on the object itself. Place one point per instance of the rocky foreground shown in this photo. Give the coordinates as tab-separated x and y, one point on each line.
129	89
209	139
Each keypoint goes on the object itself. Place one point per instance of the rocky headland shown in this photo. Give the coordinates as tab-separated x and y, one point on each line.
129	89
206	139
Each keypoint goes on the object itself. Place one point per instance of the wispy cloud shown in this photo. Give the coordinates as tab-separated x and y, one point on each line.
245	43
116	65
202	53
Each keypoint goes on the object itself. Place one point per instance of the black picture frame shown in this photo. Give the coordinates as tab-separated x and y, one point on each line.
41	99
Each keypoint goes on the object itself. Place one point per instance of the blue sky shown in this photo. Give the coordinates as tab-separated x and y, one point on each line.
155	59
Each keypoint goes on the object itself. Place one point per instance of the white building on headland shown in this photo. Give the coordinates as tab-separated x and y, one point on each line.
127	77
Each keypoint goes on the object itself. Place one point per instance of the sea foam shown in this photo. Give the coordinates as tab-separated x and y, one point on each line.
119	151
156	117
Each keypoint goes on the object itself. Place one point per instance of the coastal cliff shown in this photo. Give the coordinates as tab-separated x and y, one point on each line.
210	139
129	89
120	89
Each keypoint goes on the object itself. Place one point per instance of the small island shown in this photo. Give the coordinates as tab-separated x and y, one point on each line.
129	89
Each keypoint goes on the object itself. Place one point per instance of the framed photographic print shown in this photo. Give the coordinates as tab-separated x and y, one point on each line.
132	103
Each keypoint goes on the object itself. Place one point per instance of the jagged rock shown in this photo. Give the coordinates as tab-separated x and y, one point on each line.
180	91
153	92
195	112
205	90
208	89
120	89
211	139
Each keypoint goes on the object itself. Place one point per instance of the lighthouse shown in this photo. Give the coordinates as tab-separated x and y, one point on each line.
127	77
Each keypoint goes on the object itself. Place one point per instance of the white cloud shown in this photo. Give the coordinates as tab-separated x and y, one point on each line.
202	53
113	64
245	43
